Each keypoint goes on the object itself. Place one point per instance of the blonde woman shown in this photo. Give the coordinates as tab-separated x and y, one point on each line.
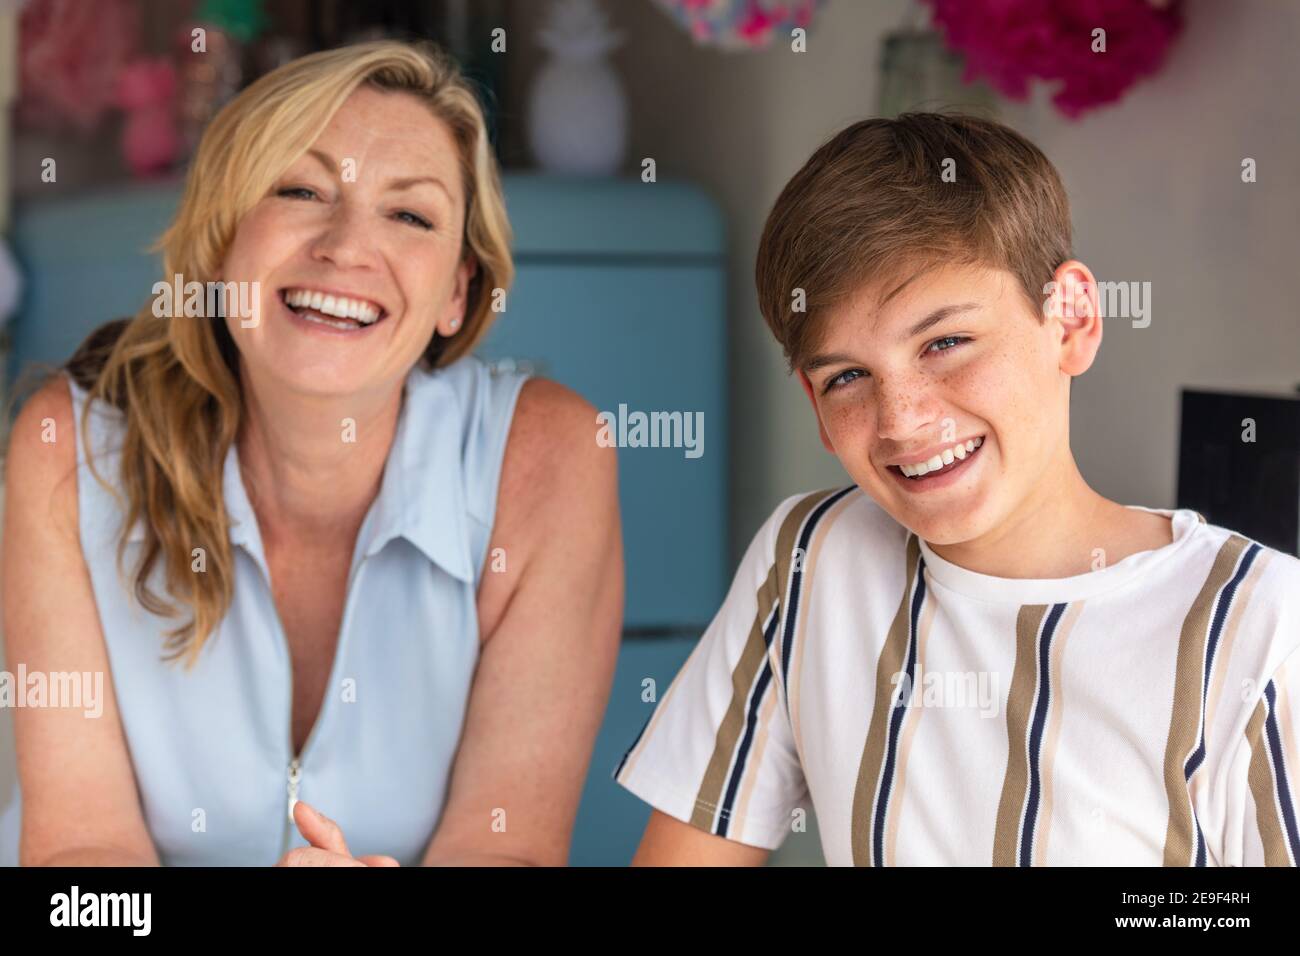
355	596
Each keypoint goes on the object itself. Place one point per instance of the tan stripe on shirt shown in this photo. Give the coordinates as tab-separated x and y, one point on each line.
893	656
1185	714
1020	704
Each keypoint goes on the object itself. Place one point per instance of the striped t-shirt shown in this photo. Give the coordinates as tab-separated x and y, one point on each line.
1141	714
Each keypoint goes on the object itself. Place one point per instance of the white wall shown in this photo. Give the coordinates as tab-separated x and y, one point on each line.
1157	196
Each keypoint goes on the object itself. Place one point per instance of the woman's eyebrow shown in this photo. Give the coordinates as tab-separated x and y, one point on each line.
332	166
396	185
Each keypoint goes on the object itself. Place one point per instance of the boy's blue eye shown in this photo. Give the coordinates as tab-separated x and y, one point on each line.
839	381
947	343
956	340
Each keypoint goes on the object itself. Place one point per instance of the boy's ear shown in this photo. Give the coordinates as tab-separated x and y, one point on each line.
1074	302
808	390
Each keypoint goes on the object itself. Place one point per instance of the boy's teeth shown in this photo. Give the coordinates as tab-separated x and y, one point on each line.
957	452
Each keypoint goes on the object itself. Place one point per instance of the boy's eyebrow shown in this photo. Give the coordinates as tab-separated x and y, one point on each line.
925	324
821	361
331	166
937	316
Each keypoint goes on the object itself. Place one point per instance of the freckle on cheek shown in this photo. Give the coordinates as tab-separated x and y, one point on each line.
847	417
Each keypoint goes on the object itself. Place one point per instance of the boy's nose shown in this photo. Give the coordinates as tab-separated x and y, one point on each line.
905	409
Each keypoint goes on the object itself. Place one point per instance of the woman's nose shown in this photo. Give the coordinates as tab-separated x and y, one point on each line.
344	240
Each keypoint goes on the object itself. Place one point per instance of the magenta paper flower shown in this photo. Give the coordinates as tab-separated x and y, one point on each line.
70	52
1011	42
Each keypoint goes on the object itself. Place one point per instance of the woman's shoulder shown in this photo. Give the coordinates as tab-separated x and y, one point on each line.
554	466
46	419
543	436
41	455
524	445
556	415
557	501
501	406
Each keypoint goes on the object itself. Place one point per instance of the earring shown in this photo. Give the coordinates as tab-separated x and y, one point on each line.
455	324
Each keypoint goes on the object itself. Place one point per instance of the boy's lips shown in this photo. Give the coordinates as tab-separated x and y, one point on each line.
943	477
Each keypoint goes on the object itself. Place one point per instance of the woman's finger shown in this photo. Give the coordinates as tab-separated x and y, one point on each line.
314	856
378	859
319	830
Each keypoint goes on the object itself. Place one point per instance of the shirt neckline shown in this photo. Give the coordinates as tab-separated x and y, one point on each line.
421	495
990	589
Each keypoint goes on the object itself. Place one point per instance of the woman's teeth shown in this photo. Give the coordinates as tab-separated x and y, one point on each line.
337	311
946	457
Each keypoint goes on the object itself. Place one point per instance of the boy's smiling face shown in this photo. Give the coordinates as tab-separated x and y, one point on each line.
956	360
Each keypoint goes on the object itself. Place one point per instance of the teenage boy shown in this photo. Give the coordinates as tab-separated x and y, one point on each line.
969	656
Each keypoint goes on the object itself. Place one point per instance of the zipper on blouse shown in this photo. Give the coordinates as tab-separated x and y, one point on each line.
294	775
294	772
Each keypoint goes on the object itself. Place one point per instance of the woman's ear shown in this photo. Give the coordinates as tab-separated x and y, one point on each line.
453	318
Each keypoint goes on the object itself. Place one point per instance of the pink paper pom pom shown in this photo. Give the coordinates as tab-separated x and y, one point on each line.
1011	42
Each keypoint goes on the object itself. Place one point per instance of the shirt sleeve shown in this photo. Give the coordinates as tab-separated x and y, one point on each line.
718	751
1250	815
1267	767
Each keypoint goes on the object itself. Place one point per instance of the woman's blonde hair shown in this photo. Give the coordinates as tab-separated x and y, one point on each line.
177	382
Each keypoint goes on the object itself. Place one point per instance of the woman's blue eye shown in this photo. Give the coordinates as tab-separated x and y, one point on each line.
303	192
956	340
415	220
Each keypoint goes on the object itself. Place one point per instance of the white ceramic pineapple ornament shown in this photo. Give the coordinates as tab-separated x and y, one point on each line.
577	110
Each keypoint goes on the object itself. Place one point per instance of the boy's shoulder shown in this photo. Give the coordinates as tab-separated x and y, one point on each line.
1265	580
804	521
1277	571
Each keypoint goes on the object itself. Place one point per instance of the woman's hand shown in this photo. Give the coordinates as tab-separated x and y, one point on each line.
328	848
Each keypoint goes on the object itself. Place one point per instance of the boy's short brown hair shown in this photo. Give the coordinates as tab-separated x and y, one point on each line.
872	204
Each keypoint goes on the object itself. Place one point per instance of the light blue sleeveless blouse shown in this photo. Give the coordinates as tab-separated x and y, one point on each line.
211	747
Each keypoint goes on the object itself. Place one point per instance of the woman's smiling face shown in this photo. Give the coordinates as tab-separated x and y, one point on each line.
948	404
371	216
